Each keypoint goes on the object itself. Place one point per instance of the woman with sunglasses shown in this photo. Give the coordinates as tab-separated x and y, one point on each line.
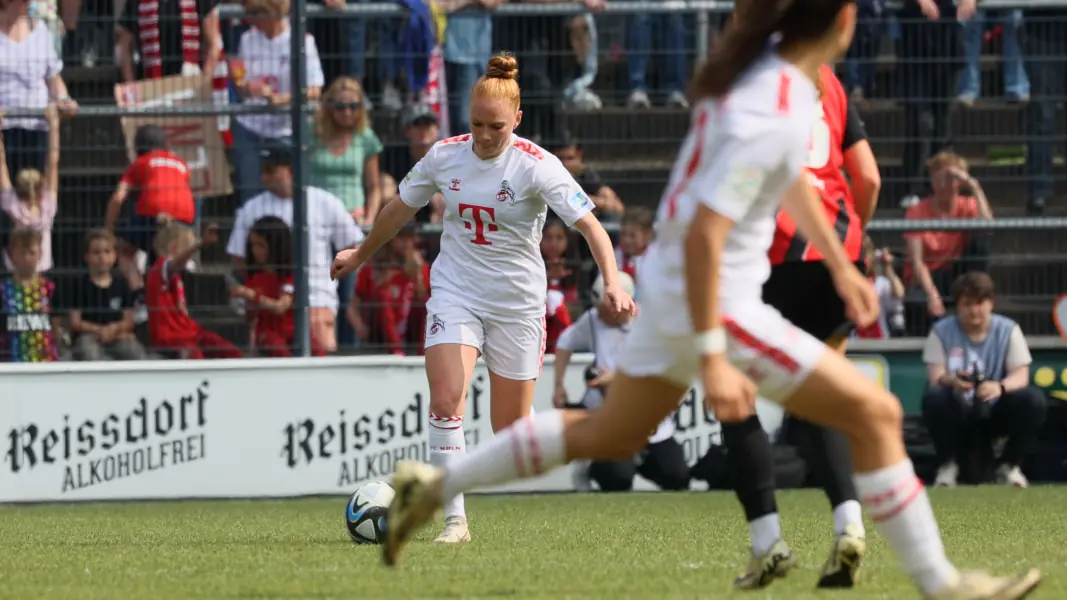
344	161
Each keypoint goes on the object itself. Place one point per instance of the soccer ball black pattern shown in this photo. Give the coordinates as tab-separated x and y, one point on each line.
366	511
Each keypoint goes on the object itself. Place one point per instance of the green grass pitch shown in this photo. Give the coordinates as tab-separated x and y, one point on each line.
654	545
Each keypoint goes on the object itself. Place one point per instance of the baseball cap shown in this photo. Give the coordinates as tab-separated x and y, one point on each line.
274	156
597	292
413	114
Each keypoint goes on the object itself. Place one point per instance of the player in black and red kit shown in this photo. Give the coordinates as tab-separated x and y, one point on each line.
839	145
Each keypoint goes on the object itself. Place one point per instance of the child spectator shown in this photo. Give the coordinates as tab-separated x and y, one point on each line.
635	234
562	287
890	294
99	306
159	183
31	201
608	205
29	330
268	291
170	328
391	294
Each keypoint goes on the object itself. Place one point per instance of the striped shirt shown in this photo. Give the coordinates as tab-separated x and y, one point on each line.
330	228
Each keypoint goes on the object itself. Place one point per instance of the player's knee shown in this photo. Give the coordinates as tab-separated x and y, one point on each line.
881	416
446	398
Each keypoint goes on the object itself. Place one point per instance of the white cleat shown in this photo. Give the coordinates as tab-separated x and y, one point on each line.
1012	476
982	586
841	570
455	531
947	474
417	502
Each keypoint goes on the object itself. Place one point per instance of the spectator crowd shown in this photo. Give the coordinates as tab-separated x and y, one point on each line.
128	300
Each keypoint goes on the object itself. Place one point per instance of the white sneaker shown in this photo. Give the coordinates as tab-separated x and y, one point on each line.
639	99
1011	476
587	100
677	100
455	531
580	476
947	474
982	586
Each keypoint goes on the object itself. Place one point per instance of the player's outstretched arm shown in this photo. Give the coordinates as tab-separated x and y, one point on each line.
389	221
604	255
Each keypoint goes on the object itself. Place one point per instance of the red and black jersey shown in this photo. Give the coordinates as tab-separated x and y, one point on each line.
838	129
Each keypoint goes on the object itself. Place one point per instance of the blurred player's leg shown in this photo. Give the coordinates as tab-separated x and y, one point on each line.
823	387
530	447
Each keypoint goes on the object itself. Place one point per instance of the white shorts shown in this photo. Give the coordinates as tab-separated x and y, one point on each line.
760	342
512	349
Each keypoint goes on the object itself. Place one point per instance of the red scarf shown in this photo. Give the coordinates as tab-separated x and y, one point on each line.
148	28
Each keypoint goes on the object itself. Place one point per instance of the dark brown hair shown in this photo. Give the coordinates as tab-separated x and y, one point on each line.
639	216
746	35
975	285
98	233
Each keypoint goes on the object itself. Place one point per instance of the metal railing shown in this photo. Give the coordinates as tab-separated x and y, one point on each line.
94	153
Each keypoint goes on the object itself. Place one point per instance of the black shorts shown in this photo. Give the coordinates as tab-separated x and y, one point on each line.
804	293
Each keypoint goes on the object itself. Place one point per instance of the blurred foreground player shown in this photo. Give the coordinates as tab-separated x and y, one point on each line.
838	145
744	157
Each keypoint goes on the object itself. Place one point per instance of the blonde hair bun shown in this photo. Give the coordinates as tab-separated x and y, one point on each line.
503	66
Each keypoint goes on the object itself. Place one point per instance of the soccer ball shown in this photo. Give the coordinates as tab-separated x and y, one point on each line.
365	513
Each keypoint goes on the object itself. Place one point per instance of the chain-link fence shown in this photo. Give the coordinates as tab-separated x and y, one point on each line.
176	91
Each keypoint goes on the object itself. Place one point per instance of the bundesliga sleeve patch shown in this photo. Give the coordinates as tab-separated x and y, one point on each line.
742	184
580	201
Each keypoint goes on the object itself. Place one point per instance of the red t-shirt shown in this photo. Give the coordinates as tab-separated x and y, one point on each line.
161	180
940	248
168	323
837	131
390	301
273	286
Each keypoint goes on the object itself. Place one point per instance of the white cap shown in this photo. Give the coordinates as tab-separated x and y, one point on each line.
627	283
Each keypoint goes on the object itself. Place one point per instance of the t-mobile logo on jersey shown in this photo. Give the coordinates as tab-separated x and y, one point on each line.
478	219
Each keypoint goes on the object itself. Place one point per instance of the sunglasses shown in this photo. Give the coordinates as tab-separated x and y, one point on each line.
342	106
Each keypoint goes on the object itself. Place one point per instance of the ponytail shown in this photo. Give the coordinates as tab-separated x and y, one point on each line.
742	42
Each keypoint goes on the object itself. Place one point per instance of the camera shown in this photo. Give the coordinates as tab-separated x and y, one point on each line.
591	373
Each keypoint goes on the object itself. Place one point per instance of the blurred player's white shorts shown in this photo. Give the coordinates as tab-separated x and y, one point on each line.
513	349
760	342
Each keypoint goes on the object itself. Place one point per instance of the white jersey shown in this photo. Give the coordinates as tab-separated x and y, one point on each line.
494	211
267	60
741	154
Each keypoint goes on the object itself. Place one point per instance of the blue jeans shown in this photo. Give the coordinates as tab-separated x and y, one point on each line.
1016	84
460	78
1046	46
388	59
639	33
346	334
859	64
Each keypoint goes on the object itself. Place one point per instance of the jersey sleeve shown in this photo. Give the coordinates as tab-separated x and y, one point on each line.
560	191
855	130
131	176
744	162
239	236
420	184
315	76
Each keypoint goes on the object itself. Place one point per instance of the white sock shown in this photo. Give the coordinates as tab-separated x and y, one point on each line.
848	513
765	531
446	445
530	447
898	504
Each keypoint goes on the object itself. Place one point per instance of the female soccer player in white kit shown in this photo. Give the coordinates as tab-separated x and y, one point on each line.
488	286
752	121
